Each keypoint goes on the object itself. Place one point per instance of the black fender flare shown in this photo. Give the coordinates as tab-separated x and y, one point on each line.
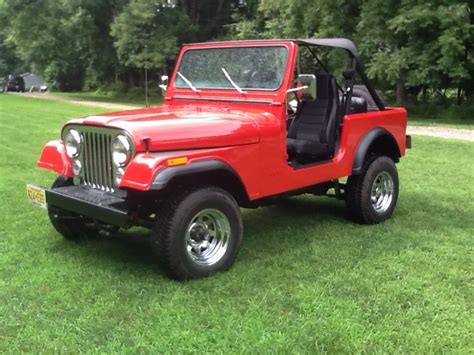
164	176
364	145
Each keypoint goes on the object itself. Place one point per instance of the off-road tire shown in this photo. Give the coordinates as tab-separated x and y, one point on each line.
71	229
172	223
359	187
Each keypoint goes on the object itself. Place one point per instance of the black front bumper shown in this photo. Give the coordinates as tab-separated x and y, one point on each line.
86	201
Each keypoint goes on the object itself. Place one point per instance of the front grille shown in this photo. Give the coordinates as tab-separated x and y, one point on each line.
97	168
96	157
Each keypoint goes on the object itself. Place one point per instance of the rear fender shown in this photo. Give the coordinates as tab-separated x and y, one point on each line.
53	157
390	147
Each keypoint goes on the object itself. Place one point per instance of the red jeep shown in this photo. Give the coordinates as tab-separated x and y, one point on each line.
241	125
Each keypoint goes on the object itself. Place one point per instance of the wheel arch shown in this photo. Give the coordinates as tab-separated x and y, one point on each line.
205	172
378	141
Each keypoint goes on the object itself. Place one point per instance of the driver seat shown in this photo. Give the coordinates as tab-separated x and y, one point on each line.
313	133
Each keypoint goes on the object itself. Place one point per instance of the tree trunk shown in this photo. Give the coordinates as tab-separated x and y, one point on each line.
459	95
131	78
401	92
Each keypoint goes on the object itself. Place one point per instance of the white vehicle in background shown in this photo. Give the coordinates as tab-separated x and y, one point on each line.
34	82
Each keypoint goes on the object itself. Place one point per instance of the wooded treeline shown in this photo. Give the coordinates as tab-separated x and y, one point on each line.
415	49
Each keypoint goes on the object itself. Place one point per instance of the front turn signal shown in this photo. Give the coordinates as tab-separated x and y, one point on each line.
177	161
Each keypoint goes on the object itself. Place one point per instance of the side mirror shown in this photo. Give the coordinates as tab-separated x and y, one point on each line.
164	83
309	82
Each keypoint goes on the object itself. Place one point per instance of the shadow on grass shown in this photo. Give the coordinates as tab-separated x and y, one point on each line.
262	226
299	220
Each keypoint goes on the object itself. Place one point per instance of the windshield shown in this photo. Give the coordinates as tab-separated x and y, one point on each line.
248	67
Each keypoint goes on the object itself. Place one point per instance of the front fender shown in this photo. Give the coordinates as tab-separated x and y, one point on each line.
151	171
53	157
141	170
164	176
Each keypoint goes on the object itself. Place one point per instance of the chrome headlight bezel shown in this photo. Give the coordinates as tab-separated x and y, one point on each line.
76	167
72	140
121	150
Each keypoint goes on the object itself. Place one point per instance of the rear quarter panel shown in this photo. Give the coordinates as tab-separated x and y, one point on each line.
281	177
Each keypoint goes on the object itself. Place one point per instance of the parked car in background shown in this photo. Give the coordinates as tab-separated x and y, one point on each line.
14	83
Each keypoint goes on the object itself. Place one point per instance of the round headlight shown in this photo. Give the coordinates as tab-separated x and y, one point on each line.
121	150
72	142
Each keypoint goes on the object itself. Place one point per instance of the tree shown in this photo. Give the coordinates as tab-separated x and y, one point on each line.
209	17
159	26
9	62
58	51
66	40
414	44
410	45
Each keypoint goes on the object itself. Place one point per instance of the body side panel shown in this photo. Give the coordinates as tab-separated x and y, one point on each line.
280	177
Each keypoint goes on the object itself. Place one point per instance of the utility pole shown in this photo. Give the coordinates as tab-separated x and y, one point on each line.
146	77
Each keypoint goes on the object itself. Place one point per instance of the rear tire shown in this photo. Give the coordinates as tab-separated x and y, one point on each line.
372	195
66	223
197	233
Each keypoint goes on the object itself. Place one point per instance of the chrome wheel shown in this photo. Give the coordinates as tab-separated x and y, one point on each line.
207	237
382	192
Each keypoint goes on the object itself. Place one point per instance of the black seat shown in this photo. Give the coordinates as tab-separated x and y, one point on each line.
313	133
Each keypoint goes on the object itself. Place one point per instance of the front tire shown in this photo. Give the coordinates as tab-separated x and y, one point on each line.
69	225
198	233
372	195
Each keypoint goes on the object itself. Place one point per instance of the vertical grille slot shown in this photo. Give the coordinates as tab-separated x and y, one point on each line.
96	158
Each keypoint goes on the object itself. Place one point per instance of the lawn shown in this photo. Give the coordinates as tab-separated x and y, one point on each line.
306	280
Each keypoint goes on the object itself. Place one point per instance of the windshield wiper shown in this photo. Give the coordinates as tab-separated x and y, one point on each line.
190	84
236	87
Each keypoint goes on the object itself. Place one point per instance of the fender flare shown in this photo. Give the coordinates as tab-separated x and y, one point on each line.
164	176
364	145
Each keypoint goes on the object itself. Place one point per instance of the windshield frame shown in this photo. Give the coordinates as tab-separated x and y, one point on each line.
259	45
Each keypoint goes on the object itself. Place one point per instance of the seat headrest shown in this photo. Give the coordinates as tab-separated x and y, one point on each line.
324	83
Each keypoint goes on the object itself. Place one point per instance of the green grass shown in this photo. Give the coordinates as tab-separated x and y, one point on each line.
136	99
306	280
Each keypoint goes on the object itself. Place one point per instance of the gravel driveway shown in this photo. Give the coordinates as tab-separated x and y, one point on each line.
442	132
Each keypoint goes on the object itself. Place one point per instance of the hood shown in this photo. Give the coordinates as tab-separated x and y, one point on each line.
169	128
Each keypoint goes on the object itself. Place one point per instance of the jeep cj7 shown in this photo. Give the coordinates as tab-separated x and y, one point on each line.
240	126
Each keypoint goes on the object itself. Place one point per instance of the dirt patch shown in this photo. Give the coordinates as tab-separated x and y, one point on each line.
442	132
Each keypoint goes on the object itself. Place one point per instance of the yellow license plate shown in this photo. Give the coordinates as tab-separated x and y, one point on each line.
36	195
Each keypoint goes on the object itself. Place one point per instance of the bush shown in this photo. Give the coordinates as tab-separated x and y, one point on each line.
112	89
443	110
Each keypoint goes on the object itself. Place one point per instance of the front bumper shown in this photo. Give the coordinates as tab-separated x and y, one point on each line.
86	201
